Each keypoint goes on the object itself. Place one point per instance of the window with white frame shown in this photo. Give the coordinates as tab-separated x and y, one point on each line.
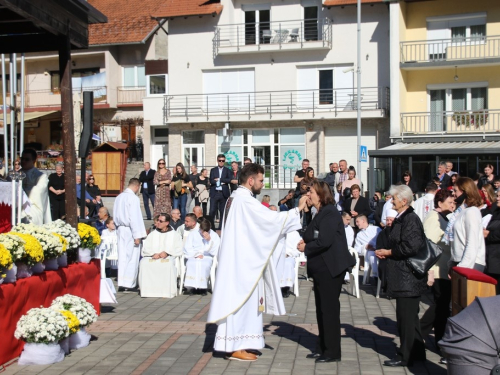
458	28
134	76
257	19
458	97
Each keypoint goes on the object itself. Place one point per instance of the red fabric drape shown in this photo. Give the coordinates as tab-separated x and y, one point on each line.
5	213
82	280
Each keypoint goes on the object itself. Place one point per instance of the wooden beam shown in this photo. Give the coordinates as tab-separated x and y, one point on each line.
68	128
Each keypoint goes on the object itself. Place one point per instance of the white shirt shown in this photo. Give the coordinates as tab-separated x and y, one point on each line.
220	176
349	234
385	210
365	237
145	184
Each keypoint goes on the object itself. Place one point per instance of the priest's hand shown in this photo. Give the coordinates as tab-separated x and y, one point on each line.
137	241
199	257
163	255
156	256
301	246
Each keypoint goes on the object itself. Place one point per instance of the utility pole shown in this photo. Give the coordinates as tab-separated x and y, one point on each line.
358	96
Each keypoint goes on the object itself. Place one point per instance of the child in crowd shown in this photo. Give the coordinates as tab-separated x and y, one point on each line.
496	184
266	199
110	242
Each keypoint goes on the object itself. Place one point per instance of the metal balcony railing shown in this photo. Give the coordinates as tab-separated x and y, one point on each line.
268	103
51	98
469	122
274	34
131	94
472	48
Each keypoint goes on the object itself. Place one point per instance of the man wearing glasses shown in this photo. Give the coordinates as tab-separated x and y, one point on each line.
220	178
158	275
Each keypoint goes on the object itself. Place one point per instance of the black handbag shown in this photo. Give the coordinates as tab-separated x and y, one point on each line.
427	256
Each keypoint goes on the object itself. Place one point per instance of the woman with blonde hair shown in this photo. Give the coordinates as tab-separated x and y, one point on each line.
266	199
465	230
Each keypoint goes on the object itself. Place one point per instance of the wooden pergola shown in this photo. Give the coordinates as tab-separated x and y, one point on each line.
52	25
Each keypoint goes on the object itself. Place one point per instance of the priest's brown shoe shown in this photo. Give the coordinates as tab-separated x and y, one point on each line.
242	355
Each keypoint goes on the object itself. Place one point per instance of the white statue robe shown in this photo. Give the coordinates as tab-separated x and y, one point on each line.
365	237
39	212
285	265
109	241
127	216
247	284
198	269
158	277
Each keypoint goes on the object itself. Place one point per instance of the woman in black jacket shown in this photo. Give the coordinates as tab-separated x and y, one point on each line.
492	237
406	239
328	258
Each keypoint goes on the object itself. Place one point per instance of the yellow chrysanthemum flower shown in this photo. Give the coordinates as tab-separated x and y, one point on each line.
73	322
5	258
89	235
63	241
32	248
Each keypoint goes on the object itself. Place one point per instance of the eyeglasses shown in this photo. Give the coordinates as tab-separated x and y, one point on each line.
91	178
161	221
161	163
221	160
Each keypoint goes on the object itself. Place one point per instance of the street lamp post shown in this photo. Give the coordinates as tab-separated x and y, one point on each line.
358	96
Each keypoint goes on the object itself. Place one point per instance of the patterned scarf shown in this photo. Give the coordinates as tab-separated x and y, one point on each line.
448	234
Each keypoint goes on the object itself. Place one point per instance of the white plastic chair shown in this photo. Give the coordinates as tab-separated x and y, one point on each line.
300	259
367	274
181	272
212	273
355	274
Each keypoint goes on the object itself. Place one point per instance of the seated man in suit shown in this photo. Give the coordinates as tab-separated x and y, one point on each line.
102	216
356	205
220	178
157	271
366	242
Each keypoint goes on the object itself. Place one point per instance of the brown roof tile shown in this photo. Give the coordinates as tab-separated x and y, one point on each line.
336	3
184	8
129	21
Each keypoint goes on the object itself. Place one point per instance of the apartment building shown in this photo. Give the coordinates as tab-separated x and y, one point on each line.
115	68
445	89
270	80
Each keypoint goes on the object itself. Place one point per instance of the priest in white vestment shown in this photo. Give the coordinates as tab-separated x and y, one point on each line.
199	252
35	185
366	243
158	274
130	230
247	284
190	225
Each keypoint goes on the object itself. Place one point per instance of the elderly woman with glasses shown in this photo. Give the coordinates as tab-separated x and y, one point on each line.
162	180
405	240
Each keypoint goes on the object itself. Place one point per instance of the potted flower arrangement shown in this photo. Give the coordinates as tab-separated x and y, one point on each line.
74	327
52	246
90	239
41	329
15	245
84	312
31	261
70	234
5	262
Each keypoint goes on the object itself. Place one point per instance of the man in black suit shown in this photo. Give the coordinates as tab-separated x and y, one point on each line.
147	188
220	178
356	205
443	177
235	176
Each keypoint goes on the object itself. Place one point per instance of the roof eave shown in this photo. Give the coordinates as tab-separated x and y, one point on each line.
213	14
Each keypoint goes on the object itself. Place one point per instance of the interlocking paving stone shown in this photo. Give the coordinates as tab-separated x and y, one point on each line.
171	336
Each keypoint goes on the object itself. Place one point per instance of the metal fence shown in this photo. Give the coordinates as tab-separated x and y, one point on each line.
471	48
276	33
275	102
482	121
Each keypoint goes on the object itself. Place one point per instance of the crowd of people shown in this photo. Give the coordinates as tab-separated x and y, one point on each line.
327	219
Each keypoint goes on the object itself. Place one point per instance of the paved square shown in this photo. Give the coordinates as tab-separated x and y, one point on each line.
170	336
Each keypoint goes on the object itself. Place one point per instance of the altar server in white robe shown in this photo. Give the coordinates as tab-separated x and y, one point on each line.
130	228
35	185
199	251
366	242
247	285
158	274
349	234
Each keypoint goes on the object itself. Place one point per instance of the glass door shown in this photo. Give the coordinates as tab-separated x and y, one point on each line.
262	155
310	23
438	109
194	155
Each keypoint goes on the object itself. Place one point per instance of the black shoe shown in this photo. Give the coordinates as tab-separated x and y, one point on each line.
148	218
443	361
324	359
203	292
395	362
313	355
188	292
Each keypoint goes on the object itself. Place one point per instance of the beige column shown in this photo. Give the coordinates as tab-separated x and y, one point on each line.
146	140
315	147
174	146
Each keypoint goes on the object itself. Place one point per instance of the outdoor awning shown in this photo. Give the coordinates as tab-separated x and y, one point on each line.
27	116
438	148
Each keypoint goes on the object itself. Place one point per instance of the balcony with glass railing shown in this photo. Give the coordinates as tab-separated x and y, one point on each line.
453	51
131	95
272	36
484	121
276	105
